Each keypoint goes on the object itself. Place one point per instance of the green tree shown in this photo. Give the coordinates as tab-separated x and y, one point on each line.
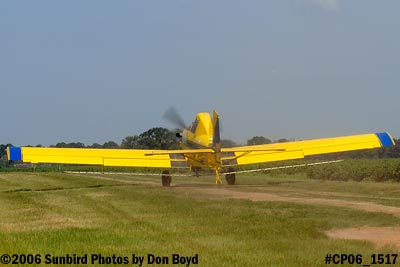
96	145
282	140
130	142
258	140
69	145
3	150
154	138
227	143
110	144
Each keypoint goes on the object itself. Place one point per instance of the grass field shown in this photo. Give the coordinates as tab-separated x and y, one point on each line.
263	221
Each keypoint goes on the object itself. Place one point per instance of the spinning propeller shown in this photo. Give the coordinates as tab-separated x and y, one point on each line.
173	116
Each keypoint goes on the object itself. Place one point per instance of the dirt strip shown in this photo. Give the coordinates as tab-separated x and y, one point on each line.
379	236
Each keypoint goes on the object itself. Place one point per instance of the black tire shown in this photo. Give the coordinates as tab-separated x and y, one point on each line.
196	171
166	178
230	177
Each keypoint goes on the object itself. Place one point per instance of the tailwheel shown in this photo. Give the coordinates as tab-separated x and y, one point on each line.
166	178
230	177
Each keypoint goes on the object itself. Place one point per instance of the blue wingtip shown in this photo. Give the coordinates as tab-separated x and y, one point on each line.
15	153
385	139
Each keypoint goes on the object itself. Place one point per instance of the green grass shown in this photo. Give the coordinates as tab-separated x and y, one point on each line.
55	213
387	193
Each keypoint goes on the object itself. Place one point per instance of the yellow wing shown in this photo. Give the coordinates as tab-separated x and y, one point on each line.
177	159
299	149
105	157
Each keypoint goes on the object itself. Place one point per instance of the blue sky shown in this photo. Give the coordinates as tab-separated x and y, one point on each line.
94	71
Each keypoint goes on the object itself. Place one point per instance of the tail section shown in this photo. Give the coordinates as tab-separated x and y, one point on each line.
216	135
217	146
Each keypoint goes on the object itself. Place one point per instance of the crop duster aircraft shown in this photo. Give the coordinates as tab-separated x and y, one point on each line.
201	149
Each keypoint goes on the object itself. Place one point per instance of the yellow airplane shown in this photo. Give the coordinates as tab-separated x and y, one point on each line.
201	149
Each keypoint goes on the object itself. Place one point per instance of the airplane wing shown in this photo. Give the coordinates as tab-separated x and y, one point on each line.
177	159
300	149
105	157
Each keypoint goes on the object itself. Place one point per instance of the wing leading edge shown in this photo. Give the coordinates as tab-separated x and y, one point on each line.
300	149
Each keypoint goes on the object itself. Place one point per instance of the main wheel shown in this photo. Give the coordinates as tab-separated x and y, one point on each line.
196	171
230	177
166	178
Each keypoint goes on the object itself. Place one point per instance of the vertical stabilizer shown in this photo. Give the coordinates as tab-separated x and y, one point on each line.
217	145
216	135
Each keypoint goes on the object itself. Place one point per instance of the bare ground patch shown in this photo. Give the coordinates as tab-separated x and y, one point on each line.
47	222
98	194
128	180
379	236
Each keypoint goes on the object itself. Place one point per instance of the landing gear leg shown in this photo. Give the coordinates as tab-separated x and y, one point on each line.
217	177
230	176
166	178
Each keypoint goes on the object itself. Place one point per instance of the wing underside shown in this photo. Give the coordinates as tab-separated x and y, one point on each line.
300	149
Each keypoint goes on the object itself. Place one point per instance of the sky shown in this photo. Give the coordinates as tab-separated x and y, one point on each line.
93	71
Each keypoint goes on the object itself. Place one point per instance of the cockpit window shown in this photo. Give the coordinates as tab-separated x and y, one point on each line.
194	126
